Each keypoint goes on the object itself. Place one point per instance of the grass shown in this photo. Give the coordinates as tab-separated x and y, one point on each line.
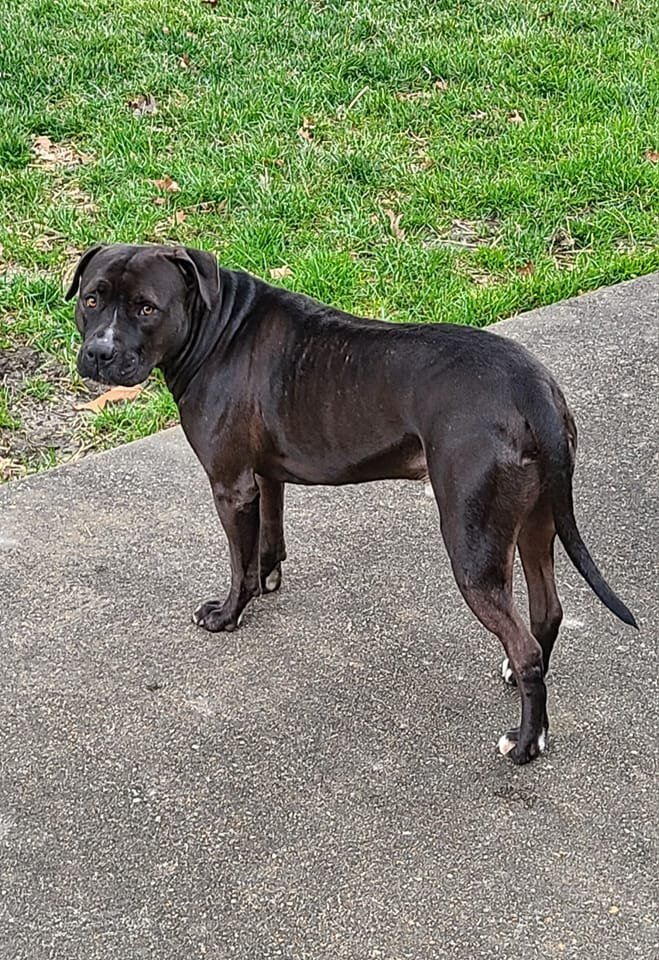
420	161
7	420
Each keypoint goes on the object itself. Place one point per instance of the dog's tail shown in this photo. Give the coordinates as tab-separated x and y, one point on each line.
557	459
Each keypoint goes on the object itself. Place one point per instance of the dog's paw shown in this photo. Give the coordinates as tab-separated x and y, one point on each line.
509	747
507	672
215	616
272	581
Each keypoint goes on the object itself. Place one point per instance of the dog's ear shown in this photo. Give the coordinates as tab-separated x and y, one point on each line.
87	256
201	270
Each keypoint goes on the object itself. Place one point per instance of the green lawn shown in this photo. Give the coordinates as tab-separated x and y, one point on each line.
412	160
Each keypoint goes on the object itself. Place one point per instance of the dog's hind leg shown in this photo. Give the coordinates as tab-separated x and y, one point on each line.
482	505
536	550
272	546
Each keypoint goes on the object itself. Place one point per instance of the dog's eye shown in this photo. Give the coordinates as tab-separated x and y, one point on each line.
91	301
146	310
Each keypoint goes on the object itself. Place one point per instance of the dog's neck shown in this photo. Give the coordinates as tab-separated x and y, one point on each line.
209	330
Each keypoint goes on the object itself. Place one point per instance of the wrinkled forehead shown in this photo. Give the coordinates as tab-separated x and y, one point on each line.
134	272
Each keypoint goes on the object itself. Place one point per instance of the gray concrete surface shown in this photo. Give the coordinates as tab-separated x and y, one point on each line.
323	784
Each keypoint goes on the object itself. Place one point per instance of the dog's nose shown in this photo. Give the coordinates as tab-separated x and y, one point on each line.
100	349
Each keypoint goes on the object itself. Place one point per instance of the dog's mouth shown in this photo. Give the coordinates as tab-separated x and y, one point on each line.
125	370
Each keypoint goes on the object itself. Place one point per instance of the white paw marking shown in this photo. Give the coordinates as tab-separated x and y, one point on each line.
272	580
507	671
428	490
240	619
542	741
505	745
196	618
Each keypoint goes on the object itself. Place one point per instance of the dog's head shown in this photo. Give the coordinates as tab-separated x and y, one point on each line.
134	307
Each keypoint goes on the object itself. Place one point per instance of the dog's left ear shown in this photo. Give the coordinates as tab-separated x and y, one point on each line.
201	270
82	263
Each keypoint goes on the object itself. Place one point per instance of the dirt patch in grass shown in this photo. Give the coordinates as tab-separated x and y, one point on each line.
39	421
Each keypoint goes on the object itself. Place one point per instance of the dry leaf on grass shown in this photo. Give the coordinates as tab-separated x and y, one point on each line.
50	154
114	395
278	273
481	278
561	241
410	95
652	156
142	105
179	216
527	269
166	184
515	117
394	223
306	130
209	206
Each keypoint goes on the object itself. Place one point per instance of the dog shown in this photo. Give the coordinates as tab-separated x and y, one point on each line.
274	388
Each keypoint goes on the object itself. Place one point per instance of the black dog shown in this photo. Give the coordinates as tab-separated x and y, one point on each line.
273	387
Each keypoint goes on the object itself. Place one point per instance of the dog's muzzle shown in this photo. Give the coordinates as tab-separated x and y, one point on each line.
99	359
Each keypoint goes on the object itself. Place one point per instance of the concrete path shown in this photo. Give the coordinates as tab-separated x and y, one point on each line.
323	784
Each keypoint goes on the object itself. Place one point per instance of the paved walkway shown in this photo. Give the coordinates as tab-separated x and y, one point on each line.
323	784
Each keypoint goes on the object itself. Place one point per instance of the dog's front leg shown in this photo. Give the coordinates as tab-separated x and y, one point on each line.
238	507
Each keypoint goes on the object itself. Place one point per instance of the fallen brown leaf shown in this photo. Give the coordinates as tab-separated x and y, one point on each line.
527	269
114	395
142	105
515	117
482	279
561	241
184	62
179	216
159	201
394	223
306	130
410	95
652	156
51	154
166	184
278	273
440	85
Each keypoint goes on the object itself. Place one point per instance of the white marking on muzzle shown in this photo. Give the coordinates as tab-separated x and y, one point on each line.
107	336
